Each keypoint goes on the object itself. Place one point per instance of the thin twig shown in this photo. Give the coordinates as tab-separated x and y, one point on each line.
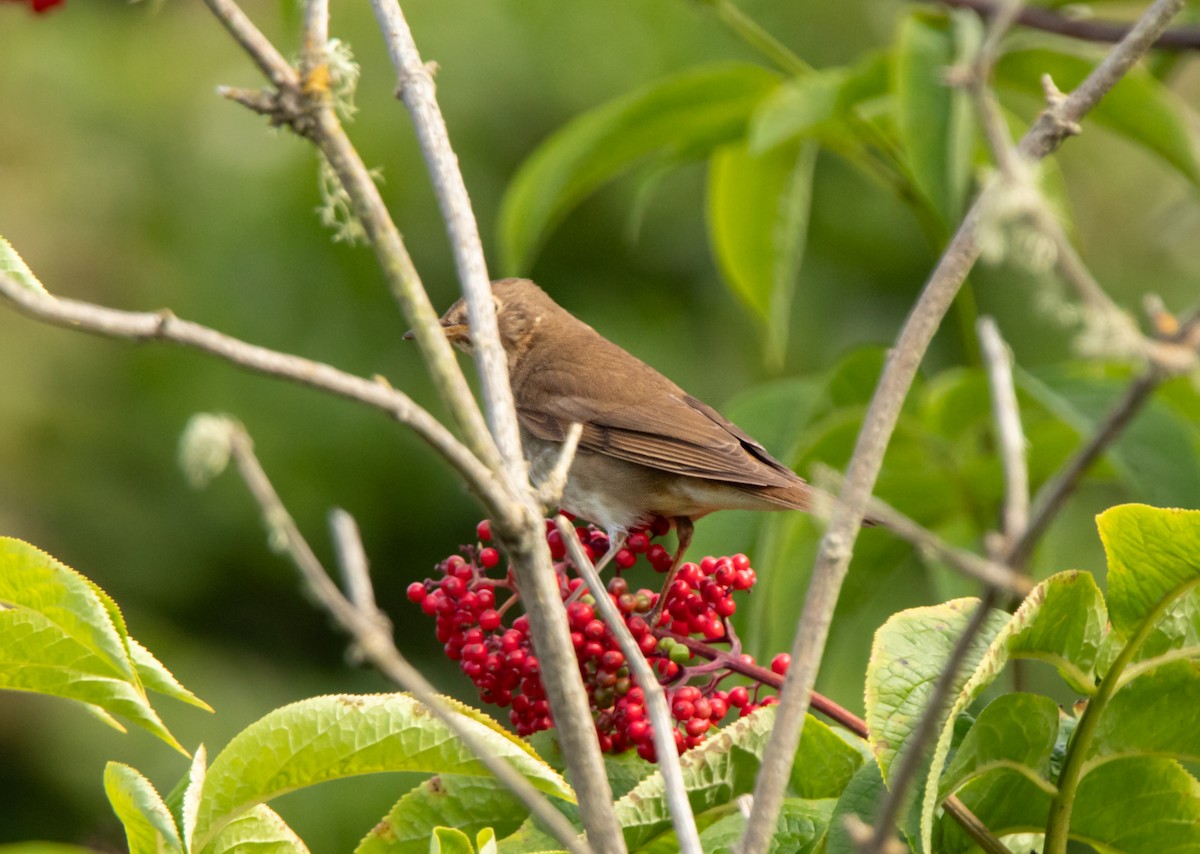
833	558
310	112
1009	434
550	490
352	560
521	533
165	326
662	726
1084	29
376	642
417	90
990	572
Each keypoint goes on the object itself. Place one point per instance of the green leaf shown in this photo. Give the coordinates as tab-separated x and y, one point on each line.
934	120
149	827
449	840
758	210
1140	108
1151	715
445	800
1016	731
60	634
684	116
801	826
1005	800
818	105
861	798
825	762
1157	456
260	830
14	265
714	773
1138	805
1069	632
328	738
1153	560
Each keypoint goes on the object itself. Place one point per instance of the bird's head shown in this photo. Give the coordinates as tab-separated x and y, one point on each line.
520	306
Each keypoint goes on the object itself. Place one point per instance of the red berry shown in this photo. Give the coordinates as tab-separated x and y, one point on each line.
484	531
416	592
489	620
488	557
739	696
780	663
637	542
624	558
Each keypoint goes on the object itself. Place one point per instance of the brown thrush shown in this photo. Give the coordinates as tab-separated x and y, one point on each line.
648	447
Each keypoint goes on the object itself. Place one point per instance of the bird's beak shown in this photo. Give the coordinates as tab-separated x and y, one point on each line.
456	332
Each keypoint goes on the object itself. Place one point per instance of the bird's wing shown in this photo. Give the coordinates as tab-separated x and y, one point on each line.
678	433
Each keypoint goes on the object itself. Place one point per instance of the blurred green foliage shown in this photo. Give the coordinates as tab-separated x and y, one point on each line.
125	180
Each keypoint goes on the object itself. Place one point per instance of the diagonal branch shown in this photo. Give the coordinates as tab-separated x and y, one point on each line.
165	326
1052	127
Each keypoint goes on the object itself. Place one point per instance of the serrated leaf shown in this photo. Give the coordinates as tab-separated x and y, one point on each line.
1138	805
934	120
1155	456
1140	108
149	827
1005	800
189	806
449	840
14	265
714	773
801	826
445	800
817	105
327	738
758	212
861	799
62	635
156	677
1070	630
1144	716
825	762
1015	731
1152	561
260	830
686	115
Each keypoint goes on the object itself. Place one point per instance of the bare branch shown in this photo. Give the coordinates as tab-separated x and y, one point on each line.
836	547
375	640
164	326
656	699
549	491
308	109
352	560
1084	29
1010	436
417	89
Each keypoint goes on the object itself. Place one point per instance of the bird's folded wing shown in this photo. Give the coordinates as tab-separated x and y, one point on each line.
680	435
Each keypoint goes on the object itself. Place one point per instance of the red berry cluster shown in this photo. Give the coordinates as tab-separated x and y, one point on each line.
501	663
40	5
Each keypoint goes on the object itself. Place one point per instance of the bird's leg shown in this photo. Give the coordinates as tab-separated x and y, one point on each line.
616	542
683	533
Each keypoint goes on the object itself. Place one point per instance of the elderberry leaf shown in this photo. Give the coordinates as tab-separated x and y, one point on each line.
1138	805
861	798
1144	715
149	826
60	634
328	738
683	116
758	208
1015	731
1140	108
258	829
469	804
801	826
934	120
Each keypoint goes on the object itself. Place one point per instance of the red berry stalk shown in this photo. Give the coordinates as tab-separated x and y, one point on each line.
496	654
